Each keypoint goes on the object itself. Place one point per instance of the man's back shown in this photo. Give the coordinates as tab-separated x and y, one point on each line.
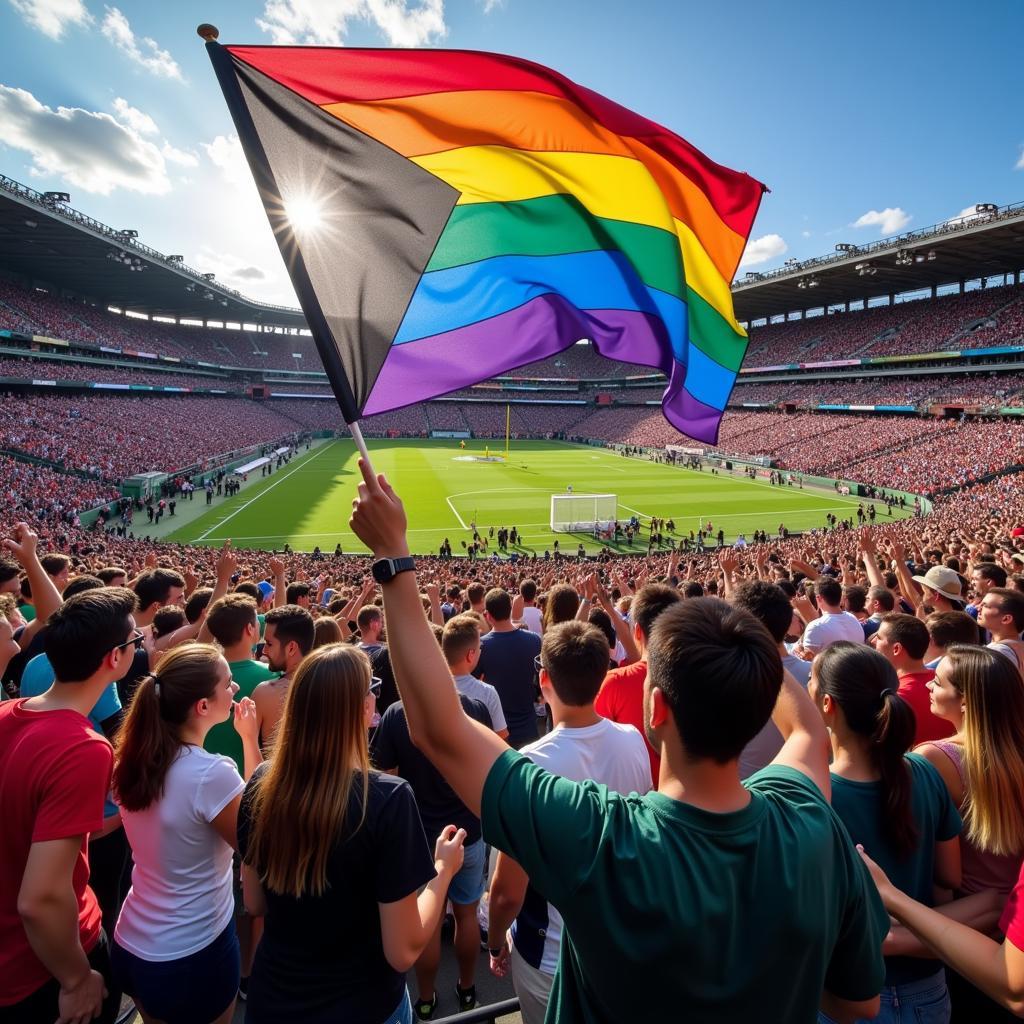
621	699
607	753
392	748
831	627
701	910
506	662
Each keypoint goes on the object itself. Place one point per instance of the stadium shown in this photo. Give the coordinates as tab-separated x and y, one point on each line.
552	730
901	381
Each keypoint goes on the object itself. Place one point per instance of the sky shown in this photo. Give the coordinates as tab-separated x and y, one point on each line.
863	119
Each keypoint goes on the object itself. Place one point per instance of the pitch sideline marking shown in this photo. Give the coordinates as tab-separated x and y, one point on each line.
456	514
256	497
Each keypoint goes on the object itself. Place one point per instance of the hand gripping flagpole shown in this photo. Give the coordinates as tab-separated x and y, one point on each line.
265	184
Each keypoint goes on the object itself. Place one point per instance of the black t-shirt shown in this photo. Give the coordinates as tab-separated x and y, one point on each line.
380	665
438	804
321	958
127	686
506	662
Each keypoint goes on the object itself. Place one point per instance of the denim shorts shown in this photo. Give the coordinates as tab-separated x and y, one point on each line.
916	1002
468	885
196	988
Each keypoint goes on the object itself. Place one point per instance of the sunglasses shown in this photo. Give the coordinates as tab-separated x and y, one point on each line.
136	639
375	685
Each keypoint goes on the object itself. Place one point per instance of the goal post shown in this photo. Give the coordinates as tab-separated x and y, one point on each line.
577	513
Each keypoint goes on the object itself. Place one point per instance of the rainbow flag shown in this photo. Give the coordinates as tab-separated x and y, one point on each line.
448	216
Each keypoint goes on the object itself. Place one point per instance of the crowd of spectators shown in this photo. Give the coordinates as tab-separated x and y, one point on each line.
676	709
114	438
905	328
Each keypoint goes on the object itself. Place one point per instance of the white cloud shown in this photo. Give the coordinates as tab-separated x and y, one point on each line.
888	221
967	213
1019	165
230	270
140	50
52	17
134	118
225	153
761	250
805	234
181	157
88	149
325	22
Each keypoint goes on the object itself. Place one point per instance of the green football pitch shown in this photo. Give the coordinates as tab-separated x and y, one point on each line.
445	489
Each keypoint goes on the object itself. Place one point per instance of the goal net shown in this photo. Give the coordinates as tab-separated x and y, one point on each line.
578	513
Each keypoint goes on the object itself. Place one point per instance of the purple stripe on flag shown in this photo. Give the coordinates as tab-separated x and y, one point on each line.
420	370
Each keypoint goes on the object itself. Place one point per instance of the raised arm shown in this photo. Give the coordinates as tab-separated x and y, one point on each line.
227	563
805	740
462	750
997	968
622	631
45	596
869	556
277	569
434	596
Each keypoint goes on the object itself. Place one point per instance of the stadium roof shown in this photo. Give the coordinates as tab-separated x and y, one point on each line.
987	244
42	237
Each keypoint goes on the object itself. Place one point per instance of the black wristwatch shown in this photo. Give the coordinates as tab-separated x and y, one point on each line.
386	569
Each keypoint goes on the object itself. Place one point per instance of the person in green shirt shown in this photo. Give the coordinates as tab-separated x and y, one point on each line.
894	804
711	900
232	622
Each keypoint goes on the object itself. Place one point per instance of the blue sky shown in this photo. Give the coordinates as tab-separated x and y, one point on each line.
887	115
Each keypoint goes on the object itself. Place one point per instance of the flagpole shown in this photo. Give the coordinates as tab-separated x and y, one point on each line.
357	436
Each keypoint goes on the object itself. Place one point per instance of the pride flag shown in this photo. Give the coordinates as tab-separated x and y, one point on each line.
448	216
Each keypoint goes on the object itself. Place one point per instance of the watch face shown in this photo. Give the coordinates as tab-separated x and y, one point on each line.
381	571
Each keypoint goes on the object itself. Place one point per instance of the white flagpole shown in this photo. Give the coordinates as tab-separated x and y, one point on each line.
357	436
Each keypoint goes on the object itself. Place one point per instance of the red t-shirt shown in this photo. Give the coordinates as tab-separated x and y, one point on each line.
914	690
621	699
1011	924
54	775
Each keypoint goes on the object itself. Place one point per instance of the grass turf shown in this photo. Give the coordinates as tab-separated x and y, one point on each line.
307	503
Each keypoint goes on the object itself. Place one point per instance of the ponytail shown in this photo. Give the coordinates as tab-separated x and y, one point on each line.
864	685
149	740
892	738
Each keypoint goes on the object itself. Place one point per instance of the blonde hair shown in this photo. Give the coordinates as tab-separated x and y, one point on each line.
321	763
993	693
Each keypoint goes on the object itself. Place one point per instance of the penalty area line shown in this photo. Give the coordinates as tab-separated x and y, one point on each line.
456	514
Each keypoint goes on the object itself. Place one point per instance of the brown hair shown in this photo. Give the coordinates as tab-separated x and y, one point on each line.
302	805
575	657
993	759
561	605
228	616
148	741
326	631
461	634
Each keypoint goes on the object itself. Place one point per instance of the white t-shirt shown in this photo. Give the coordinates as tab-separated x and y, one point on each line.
477	689
181	898
532	618
829	627
612	754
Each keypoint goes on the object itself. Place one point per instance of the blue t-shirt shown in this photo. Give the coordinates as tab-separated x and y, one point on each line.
38	677
506	662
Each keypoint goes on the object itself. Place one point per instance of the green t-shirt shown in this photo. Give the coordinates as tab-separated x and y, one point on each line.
222	738
673	913
28	612
861	806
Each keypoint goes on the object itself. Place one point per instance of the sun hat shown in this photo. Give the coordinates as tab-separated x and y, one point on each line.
943	581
